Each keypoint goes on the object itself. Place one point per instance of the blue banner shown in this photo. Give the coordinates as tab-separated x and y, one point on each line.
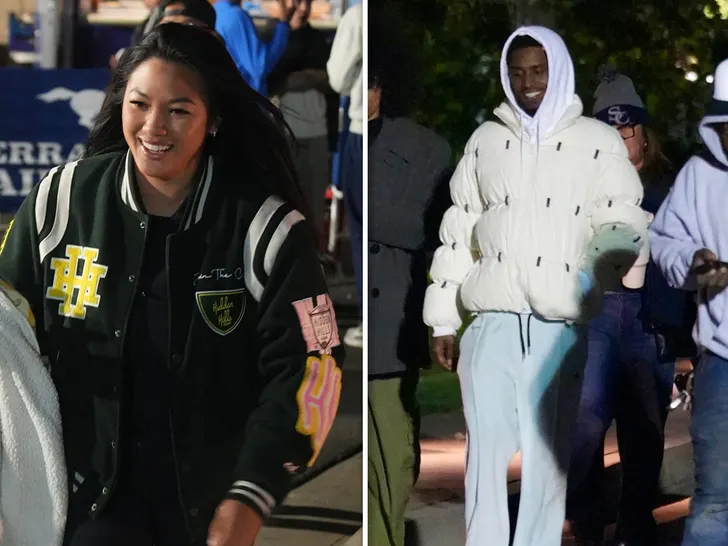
45	118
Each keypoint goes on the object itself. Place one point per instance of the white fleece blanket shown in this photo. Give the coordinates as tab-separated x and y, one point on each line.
33	483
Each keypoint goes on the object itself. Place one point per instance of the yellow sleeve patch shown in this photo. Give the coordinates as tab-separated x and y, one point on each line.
318	400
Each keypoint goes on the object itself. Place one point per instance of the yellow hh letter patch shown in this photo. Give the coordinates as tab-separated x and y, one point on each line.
76	289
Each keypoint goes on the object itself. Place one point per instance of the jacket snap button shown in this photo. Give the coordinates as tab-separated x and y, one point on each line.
143	225
117	333
132	278
113	445
94	506
194	512
105	491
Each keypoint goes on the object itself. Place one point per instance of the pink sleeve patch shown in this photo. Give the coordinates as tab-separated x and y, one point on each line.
318	400
318	324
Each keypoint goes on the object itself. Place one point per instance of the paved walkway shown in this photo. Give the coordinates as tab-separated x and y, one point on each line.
326	511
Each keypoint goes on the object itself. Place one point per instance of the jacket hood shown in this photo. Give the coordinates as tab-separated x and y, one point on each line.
717	113
560	94
711	137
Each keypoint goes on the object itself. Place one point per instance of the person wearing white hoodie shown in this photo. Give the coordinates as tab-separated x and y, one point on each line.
690	232
546	215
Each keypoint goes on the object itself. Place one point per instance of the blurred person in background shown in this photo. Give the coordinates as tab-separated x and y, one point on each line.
344	68
408	192
155	14
190	12
633	344
254	57
300	87
196	357
689	239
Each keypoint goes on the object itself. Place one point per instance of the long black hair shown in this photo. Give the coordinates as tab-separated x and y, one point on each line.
252	132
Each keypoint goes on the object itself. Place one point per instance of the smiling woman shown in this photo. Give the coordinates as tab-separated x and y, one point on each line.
179	295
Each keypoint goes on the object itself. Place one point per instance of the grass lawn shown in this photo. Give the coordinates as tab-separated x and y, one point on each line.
438	391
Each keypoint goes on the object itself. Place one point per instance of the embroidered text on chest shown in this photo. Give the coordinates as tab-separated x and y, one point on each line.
76	281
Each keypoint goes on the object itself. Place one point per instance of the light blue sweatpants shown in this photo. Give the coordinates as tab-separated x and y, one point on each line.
520	379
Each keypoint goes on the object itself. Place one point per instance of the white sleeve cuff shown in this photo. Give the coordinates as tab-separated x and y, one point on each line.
441	331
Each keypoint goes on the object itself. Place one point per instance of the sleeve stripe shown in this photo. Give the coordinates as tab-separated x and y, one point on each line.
279	237
252	239
259	257
63	206
267	497
41	200
264	509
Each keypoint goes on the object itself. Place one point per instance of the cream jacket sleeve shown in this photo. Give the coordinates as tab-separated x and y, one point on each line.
458	252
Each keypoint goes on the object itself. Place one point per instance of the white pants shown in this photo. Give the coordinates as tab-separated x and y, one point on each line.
520	379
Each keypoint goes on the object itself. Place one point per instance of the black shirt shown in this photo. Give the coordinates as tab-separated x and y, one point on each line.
148	424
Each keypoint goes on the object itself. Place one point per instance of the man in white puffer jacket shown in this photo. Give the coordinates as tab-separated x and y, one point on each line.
538	198
33	482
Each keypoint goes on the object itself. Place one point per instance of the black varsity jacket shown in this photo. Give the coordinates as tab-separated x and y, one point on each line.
254	350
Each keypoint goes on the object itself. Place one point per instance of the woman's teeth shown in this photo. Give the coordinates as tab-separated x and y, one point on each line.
155	147
533	94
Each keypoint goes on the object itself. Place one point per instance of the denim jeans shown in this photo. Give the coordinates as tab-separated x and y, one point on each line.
625	379
352	184
707	524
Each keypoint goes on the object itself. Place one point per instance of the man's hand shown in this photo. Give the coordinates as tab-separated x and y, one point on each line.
716	277
444	350
287	9
234	524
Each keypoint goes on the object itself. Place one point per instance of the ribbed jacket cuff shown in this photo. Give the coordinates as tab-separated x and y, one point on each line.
254	496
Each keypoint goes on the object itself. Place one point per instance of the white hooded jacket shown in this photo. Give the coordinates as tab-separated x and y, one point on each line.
33	481
528	195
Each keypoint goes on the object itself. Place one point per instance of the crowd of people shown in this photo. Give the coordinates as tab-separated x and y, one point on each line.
562	293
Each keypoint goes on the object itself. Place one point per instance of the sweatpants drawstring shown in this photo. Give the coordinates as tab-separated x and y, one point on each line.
525	345
520	335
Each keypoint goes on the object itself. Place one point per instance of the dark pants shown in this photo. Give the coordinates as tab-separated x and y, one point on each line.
625	379
394	455
707	524
352	178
